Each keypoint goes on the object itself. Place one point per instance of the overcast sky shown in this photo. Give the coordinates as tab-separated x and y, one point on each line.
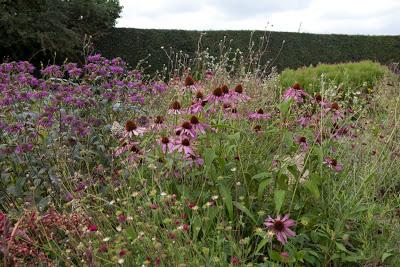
314	16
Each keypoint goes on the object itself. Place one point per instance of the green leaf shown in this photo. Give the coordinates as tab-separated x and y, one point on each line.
279	197
284	107
245	210
274	255
209	156
261	188
261	245
260	176
313	188
294	171
227	198
234	137
385	256
341	247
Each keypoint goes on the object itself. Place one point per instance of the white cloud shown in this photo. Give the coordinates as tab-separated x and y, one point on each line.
317	16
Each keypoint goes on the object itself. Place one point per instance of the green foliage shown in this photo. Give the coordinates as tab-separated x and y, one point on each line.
40	29
299	49
351	76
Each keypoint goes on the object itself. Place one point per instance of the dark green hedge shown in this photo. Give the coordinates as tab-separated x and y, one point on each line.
300	49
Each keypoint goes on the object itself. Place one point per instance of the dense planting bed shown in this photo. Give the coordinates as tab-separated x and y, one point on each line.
101	165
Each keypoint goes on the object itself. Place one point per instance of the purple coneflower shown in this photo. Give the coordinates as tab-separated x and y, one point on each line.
295	92
193	159
158	123
197	106
302	141
183	145
333	164
238	95
189	81
216	96
280	227
166	145
259	115
304	121
197	125
209	74
132	129
175	108
186	129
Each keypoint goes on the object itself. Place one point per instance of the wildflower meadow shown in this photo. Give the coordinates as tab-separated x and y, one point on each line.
216	162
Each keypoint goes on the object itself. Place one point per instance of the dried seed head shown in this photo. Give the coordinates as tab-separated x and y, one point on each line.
186	125
199	95
134	149
189	80
164	140
194	120
185	142
225	89
296	86
176	105
226	105
217	92
159	119
279	225
239	89
318	97
130	125
335	105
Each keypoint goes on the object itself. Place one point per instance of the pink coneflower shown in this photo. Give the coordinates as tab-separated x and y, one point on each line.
295	92
225	89
216	96
304	121
183	145
131	129
235	260
259	115
280	227
197	125
193	159
189	81
123	148
92	228
238	95
166	145
231	111
197	106
333	164
337	114
175	108
186	129
209	74
199	95
302	141
122	218
135	155
158	123
319	100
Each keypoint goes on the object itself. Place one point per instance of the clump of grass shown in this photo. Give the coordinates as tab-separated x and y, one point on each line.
348	76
